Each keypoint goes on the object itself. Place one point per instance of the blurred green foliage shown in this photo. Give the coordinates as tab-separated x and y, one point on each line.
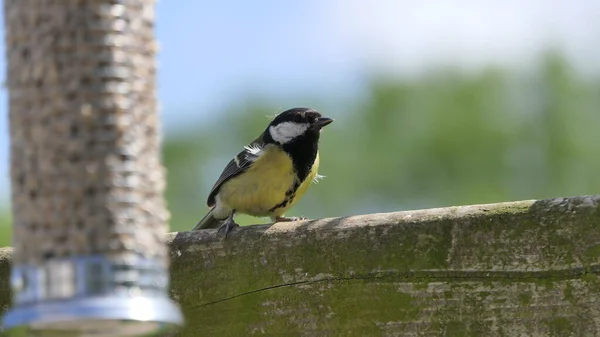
5	228
442	139
445	138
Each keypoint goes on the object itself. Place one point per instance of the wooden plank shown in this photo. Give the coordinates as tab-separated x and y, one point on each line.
523	268
527	268
5	298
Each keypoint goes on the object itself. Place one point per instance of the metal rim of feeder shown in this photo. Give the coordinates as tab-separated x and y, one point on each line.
127	295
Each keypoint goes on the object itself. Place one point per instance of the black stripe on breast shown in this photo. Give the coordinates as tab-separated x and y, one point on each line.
282	204
303	151
289	196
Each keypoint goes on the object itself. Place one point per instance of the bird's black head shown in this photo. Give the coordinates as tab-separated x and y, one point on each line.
297	132
295	124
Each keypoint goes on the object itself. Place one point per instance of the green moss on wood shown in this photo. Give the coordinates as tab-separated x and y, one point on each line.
386	272
521	268
525	299
561	326
5	298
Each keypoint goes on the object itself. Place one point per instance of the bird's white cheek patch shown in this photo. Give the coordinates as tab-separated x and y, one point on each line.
286	131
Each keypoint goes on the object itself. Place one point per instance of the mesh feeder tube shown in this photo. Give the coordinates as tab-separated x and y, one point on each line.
87	181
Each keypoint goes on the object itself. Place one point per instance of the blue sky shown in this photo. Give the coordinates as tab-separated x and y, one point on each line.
212	51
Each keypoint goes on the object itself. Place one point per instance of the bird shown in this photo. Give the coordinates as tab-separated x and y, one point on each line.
271	173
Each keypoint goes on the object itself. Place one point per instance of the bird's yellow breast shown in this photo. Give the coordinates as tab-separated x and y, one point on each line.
263	187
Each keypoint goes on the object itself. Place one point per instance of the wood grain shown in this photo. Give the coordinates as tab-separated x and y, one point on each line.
527	268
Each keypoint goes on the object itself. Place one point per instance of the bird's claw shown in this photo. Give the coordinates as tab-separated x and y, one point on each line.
229	224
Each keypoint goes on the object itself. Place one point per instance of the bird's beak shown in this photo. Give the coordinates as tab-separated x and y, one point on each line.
322	121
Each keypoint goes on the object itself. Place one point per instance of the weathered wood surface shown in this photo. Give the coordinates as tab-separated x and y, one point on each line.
528	268
5	255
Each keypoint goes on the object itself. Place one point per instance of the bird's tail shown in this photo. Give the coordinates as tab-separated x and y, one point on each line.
208	221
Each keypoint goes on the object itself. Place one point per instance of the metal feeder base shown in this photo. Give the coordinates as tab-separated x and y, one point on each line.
97	317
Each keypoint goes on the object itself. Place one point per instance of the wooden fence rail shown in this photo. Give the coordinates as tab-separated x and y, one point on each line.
527	268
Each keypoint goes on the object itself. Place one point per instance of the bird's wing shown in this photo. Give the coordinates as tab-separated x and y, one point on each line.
237	165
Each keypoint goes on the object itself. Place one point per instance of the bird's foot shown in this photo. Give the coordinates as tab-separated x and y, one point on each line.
288	219
228	225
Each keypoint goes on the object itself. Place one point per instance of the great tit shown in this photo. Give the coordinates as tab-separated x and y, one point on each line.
271	174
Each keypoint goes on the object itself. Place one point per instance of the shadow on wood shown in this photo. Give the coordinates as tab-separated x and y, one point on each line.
518	268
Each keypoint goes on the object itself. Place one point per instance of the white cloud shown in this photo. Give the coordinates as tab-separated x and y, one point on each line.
409	34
